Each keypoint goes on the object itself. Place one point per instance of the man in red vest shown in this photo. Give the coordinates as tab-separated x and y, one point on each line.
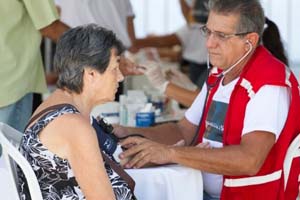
243	120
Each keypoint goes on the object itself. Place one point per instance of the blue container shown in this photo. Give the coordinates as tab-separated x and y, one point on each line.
145	119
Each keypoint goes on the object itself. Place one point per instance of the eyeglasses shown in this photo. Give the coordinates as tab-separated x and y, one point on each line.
219	35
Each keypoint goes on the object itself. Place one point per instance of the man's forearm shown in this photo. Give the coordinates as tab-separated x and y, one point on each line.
166	133
228	160
157	41
183	96
54	30
242	159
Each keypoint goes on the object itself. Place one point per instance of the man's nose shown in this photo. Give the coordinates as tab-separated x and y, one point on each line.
211	41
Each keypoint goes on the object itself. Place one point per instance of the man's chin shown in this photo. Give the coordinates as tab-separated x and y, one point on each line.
215	64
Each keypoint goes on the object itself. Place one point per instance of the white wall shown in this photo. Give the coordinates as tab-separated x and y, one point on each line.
285	14
156	16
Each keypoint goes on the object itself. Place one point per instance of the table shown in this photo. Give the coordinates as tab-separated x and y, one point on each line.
110	111
171	117
170	182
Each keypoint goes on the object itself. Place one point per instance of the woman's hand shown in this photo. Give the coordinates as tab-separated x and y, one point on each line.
144	151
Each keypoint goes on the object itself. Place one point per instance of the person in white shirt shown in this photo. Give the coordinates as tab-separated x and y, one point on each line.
193	51
115	15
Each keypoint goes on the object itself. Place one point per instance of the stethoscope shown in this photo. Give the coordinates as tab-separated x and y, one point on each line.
218	78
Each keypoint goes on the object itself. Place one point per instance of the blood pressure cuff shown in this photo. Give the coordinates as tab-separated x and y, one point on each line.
107	141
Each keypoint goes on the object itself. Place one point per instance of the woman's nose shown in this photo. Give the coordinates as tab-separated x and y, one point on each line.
120	76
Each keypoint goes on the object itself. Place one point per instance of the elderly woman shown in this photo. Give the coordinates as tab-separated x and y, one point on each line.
59	142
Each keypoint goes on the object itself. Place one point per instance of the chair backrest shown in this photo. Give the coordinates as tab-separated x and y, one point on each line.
10	140
292	152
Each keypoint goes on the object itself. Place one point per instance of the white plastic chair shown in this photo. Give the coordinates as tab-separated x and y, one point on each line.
10	141
292	152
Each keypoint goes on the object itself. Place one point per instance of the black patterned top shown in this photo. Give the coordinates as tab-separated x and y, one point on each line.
54	174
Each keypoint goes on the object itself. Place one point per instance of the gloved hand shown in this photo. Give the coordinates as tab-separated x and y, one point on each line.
180	79
146	54
155	75
128	66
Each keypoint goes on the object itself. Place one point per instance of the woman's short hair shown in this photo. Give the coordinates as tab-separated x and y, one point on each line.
81	47
252	18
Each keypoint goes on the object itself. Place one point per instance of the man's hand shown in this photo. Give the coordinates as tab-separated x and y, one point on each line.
144	151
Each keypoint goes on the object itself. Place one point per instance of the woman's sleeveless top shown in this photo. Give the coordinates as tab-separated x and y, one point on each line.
54	174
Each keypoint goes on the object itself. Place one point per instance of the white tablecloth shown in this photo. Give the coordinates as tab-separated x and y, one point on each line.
171	182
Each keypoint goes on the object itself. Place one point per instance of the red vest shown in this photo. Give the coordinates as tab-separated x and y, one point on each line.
262	69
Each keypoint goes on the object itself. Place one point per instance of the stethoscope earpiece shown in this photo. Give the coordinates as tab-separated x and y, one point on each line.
249	43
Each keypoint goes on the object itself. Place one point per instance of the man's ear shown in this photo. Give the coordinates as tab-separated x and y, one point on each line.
252	38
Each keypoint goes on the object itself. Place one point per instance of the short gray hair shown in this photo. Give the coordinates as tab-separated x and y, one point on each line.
252	18
81	47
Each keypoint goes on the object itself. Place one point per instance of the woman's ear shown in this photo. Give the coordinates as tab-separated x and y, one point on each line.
89	74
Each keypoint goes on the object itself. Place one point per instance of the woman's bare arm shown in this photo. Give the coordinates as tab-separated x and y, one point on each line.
73	138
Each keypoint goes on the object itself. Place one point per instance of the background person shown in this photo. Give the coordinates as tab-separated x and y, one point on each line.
245	158
189	38
67	160
115	15
22	71
21	64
